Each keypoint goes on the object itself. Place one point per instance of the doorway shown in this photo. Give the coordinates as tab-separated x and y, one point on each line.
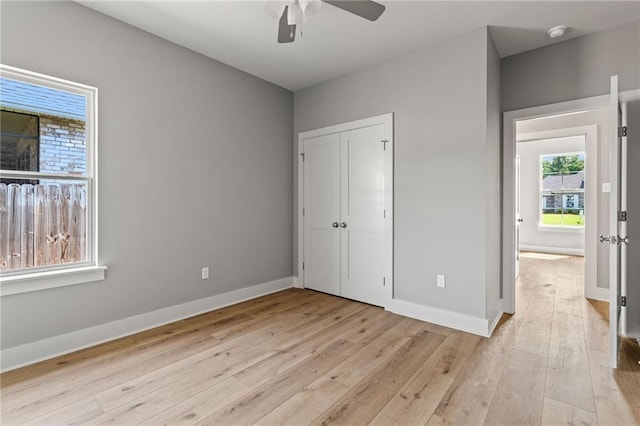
564	119
558	197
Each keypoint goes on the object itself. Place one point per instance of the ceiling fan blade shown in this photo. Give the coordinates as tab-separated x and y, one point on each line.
286	32
366	9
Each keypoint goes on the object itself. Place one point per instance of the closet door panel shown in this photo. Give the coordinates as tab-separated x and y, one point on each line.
322	213
362	214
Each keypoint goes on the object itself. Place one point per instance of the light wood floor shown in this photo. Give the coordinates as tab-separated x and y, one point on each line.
299	357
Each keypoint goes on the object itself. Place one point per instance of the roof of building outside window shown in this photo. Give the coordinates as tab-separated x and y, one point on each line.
564	182
38	99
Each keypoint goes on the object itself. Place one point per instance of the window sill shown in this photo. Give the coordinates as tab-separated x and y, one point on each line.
560	228
36	281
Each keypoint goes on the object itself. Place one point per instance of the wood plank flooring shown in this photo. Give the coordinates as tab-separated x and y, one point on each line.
301	357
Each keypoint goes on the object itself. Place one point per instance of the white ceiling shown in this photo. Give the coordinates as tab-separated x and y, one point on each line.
243	33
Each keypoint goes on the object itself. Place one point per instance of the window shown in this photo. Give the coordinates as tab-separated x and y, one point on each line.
47	181
562	190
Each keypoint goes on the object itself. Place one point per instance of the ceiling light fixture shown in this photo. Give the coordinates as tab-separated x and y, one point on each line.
558	31
293	13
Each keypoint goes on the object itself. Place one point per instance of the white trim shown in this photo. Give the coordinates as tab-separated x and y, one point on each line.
387	120
26	283
553	250
494	317
300	216
30	353
560	228
297	281
343	127
479	326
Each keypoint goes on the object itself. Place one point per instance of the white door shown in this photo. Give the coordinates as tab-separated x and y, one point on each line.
617	237
322	213
519	220
347	209
363	214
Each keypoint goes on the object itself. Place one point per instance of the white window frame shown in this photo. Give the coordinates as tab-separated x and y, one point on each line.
34	279
563	228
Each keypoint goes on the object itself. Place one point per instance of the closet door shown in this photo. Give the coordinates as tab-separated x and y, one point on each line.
322	213
362	214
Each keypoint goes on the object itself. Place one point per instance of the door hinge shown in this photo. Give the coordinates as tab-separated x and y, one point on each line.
384	281
384	144
303	266
622	131
384	213
622	216
303	211
623	300
302	155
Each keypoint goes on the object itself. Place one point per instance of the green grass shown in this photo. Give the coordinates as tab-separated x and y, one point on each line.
559	219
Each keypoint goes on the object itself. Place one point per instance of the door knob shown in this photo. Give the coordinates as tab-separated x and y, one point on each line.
335	224
616	239
343	225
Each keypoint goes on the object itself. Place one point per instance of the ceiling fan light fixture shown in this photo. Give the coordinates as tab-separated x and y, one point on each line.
310	7
558	31
295	14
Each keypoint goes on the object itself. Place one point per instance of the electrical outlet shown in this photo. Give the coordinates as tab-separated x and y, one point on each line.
440	281
205	273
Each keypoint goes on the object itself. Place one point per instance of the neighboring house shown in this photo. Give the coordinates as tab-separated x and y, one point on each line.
563	193
42	129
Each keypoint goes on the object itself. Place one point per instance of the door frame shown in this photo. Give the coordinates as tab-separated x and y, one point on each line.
387	121
508	175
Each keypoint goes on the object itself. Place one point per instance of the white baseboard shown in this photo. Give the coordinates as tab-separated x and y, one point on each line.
494	317
297	282
552	250
30	353
479	326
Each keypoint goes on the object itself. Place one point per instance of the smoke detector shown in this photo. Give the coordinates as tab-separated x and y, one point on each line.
558	31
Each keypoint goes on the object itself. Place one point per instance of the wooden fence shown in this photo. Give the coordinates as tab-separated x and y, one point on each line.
40	225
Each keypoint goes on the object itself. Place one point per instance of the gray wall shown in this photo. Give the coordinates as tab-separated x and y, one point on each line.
574	69
441	177
195	169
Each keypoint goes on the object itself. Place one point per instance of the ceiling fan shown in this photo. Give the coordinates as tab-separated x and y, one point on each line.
295	12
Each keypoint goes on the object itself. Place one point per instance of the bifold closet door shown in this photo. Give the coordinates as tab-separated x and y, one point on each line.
362	211
322	213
